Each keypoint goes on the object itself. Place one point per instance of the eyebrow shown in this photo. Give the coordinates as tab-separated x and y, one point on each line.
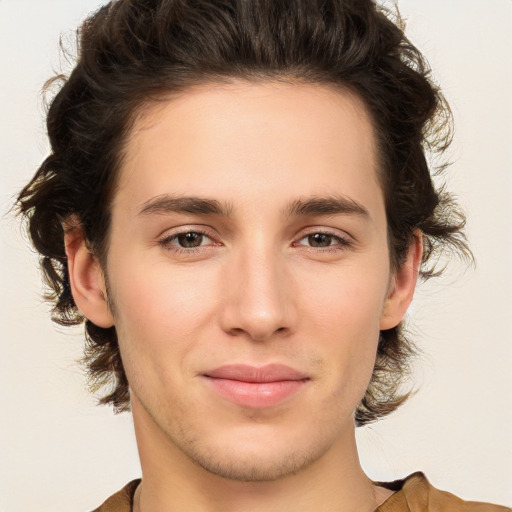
325	205
194	205
301	207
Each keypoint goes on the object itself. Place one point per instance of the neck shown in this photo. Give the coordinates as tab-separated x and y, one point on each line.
173	482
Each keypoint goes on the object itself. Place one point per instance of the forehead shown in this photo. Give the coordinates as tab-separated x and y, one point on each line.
247	141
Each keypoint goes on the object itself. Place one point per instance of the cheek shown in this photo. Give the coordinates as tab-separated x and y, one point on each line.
157	317
350	299
343	315
152	296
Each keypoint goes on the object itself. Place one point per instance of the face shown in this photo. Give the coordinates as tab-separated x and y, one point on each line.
249	273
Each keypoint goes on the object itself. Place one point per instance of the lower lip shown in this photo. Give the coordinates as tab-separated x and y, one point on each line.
257	395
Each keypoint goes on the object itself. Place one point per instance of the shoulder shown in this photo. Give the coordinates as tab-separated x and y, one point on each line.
121	501
417	494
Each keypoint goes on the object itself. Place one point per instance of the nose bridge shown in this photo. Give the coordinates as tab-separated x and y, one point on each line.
259	297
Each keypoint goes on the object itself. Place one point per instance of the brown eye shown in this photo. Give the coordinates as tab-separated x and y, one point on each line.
320	240
324	242
187	242
190	240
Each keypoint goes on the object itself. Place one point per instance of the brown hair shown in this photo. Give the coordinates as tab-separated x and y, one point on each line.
132	52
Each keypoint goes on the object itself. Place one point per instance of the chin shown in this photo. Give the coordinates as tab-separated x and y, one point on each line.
260	453
255	467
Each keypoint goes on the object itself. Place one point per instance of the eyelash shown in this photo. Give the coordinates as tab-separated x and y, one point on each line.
342	243
167	244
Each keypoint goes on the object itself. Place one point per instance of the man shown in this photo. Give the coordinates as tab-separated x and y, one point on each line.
238	204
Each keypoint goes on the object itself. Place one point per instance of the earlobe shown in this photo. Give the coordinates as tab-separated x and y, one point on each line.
403	285
86	279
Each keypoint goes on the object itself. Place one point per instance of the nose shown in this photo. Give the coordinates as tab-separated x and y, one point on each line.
259	299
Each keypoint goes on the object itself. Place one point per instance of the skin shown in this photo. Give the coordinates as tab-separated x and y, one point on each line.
260	288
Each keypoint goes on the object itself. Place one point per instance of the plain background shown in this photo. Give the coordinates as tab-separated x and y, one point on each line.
61	453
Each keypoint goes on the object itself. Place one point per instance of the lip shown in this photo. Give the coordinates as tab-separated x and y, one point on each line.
256	387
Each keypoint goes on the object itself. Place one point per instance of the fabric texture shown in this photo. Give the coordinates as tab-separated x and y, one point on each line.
413	494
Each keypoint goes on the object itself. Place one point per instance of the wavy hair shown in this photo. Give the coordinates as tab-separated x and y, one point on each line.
133	52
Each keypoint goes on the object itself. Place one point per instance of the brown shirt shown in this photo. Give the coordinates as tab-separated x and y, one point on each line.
413	494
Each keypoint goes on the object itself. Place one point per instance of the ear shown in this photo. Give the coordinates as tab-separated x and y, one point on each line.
402	286
86	278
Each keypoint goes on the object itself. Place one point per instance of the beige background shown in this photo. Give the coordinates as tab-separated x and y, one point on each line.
60	453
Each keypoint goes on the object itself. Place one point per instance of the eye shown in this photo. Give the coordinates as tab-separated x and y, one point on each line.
186	240
190	240
320	240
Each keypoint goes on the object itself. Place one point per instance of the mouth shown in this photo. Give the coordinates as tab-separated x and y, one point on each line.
256	387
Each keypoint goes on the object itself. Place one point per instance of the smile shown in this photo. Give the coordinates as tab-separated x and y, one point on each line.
254	387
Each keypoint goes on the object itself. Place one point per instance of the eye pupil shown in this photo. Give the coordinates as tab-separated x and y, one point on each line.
190	239
320	240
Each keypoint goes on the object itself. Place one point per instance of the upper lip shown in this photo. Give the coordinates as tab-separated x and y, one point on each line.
248	373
